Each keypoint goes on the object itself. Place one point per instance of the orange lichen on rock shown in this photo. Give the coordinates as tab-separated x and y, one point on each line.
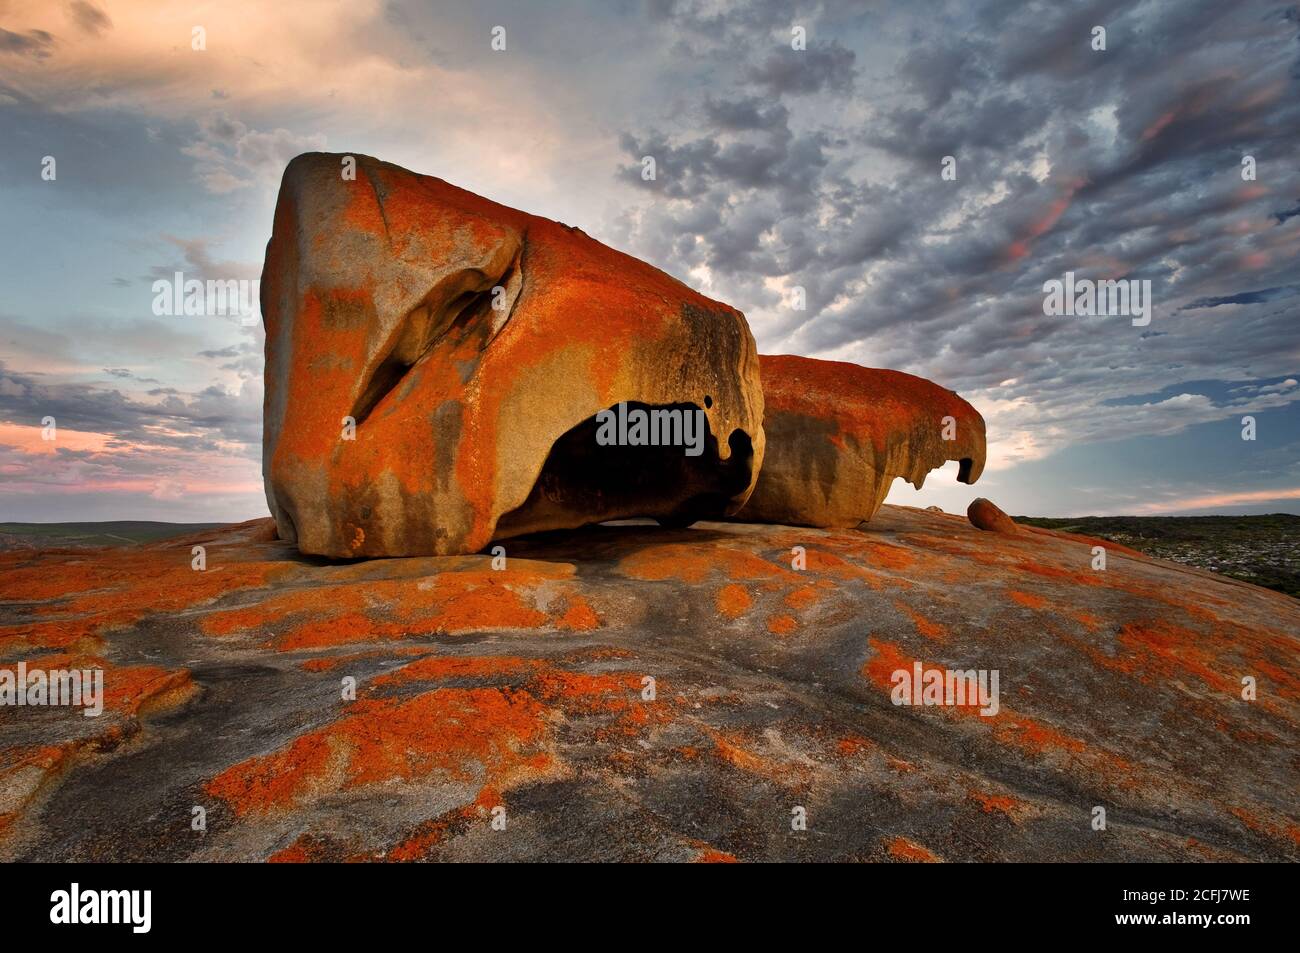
711	856
440	667
1006	726
900	848
733	601
1027	599
934	631
803	597
1161	648
580	693
1012	807
456	732
470	600
80	598
578	616
736	750
24	772
839	434
854	745
127	689
694	562
781	624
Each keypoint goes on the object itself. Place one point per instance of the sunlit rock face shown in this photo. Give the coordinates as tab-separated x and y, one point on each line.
839	434
435	363
986	515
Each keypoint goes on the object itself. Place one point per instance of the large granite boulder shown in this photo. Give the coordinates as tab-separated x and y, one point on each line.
839	434
435	365
987	515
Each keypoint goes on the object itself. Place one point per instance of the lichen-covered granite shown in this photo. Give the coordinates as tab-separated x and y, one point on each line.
519	696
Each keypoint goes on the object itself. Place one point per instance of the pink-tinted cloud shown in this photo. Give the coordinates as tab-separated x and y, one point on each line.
1219	500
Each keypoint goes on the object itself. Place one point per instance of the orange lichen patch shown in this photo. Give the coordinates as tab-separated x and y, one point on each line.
84	595
933	631
578	693
137	690
887	556
854	745
435	831
694	562
1247	818
733	748
710	855
888	658
24	771
1027	599
1279	828
439	667
305	850
836	567
802	598
1024	732
458	732
470	600
1160	648
487	607
579	616
733	601
1008	727
337	630
900	848
128	689
781	624
1086	619
73	635
1012	807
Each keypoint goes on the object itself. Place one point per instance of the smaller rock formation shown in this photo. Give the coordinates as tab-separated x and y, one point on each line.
983	514
838	434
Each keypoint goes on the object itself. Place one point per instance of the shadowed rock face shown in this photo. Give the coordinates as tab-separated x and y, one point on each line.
471	420
525	689
839	434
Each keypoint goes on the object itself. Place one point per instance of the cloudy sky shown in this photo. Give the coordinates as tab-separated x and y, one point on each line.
776	168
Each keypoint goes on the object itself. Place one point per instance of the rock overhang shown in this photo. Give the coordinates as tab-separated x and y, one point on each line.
461	340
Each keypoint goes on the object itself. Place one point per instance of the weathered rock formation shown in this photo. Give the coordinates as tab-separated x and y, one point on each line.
435	363
839	434
986	515
525	689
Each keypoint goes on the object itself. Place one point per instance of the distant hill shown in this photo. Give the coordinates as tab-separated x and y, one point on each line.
1264	550
77	535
